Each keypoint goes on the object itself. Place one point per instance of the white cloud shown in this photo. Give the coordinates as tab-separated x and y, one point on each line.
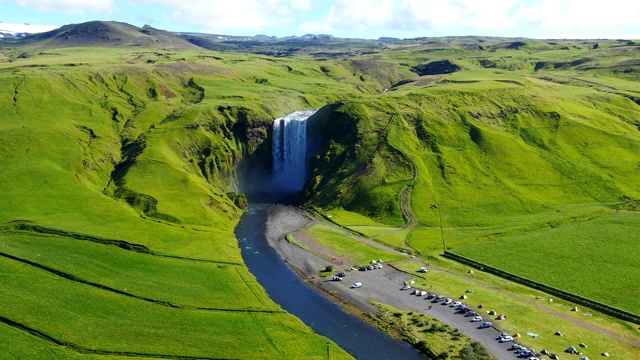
572	15
347	17
301	5
480	16
315	28
420	14
68	6
234	15
22	28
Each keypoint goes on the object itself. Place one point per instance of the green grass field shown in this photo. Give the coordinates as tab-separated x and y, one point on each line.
113	322
344	245
585	256
523	152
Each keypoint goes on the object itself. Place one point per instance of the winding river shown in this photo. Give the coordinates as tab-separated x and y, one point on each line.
326	318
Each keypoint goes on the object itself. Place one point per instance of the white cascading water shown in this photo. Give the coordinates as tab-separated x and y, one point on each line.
289	151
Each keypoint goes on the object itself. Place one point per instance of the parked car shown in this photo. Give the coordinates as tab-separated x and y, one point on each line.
370	267
457	303
476	319
515	346
423	270
471	313
341	274
447	302
504	339
485	324
405	287
356	285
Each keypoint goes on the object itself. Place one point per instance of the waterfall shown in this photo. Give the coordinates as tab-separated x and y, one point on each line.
289	151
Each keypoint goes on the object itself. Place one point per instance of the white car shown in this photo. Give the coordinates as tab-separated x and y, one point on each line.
476	319
356	285
457	303
486	324
448	301
504	339
406	287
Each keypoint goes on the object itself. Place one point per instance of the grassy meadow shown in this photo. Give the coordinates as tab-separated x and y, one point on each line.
344	245
526	159
584	255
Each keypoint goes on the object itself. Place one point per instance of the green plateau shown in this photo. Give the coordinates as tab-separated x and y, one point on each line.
125	154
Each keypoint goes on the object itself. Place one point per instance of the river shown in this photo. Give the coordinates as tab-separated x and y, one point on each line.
326	318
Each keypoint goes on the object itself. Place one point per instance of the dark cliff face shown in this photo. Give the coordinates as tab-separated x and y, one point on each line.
254	170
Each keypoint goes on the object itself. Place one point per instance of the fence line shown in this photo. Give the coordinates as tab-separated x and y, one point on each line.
604	308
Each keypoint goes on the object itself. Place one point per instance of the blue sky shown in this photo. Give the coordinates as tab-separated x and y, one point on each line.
348	18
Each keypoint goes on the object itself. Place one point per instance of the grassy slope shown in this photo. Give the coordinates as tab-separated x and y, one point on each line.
133	152
501	153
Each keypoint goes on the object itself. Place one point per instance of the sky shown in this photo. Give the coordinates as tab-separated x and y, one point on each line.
368	19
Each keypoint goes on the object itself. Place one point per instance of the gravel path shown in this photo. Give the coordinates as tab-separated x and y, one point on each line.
382	285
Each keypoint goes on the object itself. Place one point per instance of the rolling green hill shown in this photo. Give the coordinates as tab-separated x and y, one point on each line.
500	155
124	154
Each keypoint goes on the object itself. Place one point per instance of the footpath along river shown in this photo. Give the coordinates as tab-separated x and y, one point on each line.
326	318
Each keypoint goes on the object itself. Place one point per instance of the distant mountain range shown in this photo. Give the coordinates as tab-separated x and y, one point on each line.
118	34
10	31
